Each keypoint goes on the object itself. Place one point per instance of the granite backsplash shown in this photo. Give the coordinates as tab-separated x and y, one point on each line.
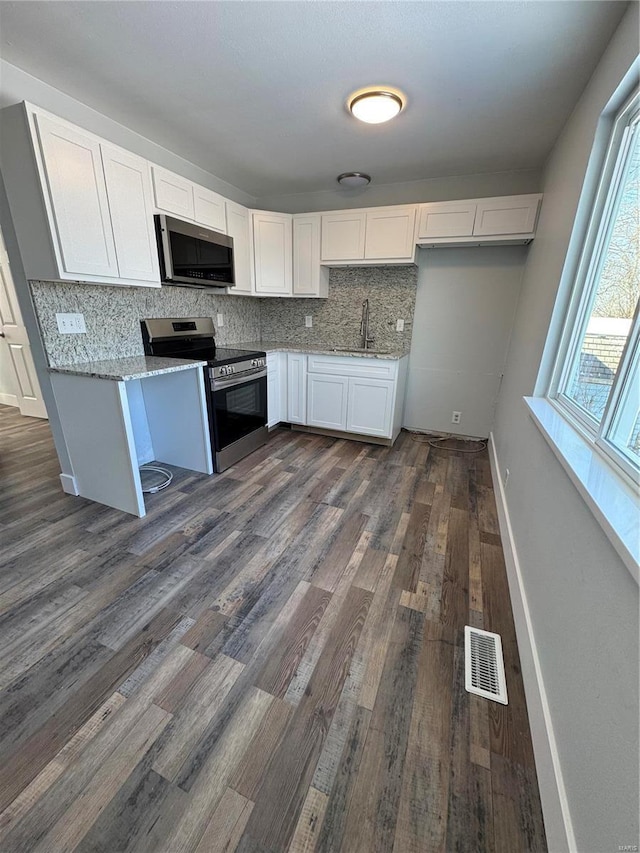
112	314
391	292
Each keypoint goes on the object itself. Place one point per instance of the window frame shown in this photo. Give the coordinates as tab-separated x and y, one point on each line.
624	128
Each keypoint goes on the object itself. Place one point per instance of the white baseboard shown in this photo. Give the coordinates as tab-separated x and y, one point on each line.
555	806
8	399
69	485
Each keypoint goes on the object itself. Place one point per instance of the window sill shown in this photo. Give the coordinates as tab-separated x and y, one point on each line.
613	503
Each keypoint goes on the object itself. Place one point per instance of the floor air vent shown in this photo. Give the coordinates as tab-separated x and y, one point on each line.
484	665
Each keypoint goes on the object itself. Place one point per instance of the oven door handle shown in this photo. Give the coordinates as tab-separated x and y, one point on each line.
219	383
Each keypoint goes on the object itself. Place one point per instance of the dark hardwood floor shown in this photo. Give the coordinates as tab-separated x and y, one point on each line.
271	660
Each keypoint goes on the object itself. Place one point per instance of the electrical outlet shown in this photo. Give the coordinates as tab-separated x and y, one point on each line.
308	320
455	417
71	324
506	478
399	325
220	320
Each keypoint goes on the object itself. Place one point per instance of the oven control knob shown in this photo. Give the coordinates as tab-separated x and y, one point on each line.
231	369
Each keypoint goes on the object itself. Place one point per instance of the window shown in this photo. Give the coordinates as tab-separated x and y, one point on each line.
597	377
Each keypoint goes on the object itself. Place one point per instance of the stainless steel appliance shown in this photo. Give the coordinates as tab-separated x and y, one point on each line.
235	381
193	256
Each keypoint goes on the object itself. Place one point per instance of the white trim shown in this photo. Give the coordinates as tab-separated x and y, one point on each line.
8	399
614	505
555	805
69	485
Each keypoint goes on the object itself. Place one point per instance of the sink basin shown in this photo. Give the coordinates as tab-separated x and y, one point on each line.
361	349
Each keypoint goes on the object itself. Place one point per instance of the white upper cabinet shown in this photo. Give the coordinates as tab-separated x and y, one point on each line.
446	219
239	227
131	205
506	219
366	237
79	208
343	235
390	233
309	278
272	253
209	209
509	215
173	194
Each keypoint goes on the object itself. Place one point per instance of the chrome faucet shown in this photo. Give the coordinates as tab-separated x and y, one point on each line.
364	326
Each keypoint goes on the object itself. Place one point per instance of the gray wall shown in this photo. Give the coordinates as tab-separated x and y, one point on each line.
582	599
465	306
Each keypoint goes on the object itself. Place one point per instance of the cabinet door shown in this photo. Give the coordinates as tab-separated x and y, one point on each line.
446	219
327	401
276	388
508	215
131	206
343	236
390	233
308	278
239	227
173	194
370	406
272	253
273	398
296	388
209	209
78	196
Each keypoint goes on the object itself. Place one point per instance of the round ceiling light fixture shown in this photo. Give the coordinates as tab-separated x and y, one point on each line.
351	180
375	106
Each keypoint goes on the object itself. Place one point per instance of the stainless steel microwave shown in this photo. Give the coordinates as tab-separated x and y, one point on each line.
193	256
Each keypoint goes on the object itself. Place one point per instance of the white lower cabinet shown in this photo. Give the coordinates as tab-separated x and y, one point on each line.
296	388
370	410
327	401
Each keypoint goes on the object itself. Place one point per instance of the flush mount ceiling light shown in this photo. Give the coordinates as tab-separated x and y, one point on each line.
375	106
353	179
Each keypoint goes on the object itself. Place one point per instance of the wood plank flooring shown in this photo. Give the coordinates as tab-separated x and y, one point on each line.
271	660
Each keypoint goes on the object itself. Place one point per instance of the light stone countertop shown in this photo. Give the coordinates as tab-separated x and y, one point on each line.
316	349
124	369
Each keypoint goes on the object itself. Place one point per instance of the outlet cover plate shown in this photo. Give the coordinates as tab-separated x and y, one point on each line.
71	324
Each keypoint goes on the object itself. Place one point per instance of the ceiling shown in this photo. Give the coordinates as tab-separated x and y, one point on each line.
254	92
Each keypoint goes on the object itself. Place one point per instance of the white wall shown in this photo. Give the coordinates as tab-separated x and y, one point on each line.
465	305
583	601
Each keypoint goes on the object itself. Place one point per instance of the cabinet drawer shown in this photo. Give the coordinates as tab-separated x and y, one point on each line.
375	368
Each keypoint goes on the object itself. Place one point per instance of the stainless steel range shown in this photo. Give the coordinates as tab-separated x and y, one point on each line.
235	379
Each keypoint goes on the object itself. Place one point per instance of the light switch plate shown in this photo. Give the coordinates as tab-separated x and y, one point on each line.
220	320
71	324
399	325
308	320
